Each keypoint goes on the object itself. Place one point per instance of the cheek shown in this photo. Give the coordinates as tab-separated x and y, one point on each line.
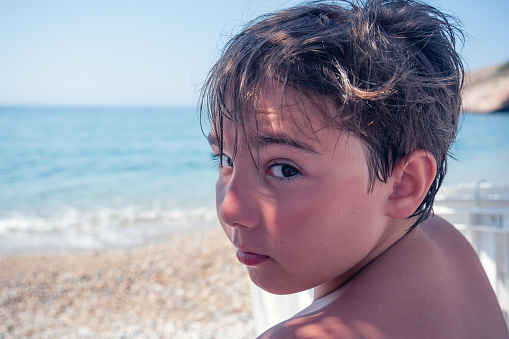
333	217
228	231
219	192
294	224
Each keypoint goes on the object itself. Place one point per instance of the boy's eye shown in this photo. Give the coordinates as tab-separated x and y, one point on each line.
226	161
283	171
221	161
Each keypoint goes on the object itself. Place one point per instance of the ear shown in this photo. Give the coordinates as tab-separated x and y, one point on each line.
411	179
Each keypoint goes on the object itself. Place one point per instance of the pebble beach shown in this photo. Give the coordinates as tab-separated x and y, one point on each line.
187	286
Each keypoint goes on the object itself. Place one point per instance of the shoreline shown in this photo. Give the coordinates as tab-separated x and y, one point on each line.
96	238
187	285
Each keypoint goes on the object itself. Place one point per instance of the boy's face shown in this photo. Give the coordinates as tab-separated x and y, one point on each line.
300	215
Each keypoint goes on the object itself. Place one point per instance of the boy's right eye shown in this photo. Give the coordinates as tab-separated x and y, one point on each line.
221	161
226	161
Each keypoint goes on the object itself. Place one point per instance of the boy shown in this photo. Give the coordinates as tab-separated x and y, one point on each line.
331	126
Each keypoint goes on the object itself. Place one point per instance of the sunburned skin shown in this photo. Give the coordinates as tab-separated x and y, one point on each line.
296	206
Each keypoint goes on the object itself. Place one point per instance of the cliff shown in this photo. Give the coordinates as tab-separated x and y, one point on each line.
487	90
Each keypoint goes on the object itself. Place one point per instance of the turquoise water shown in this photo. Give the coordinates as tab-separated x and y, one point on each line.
90	171
481	150
87	169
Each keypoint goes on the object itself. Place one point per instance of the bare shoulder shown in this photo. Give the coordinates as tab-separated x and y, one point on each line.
462	282
318	325
428	285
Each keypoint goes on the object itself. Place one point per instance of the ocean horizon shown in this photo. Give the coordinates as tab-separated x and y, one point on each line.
92	177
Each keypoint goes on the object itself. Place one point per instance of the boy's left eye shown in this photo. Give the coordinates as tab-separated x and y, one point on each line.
283	171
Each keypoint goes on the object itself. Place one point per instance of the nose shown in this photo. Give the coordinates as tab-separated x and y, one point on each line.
236	201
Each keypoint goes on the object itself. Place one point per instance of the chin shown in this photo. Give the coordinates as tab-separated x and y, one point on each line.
274	286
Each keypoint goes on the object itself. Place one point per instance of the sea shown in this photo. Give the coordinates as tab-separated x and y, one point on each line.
83	178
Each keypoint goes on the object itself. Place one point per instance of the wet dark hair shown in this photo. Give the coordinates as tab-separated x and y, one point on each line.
390	68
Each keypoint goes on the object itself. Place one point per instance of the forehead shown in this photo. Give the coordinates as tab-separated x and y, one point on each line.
274	111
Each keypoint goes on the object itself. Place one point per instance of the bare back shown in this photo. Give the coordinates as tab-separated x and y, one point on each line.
430	284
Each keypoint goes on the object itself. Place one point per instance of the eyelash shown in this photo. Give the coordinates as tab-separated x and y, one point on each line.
215	159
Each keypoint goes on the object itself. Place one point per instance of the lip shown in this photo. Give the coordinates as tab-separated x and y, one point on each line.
251	259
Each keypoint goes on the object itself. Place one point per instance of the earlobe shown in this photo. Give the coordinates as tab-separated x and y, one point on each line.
411	179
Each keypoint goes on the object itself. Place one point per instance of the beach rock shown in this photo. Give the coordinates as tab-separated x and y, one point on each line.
188	286
487	90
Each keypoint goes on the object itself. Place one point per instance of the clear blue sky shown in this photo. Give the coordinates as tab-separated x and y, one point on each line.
157	52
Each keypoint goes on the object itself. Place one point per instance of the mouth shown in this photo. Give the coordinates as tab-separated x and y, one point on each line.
251	259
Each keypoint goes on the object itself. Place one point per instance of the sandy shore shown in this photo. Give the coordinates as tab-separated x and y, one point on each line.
189	286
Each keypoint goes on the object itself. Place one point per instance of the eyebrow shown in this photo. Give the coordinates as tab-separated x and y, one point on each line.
261	141
268	140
